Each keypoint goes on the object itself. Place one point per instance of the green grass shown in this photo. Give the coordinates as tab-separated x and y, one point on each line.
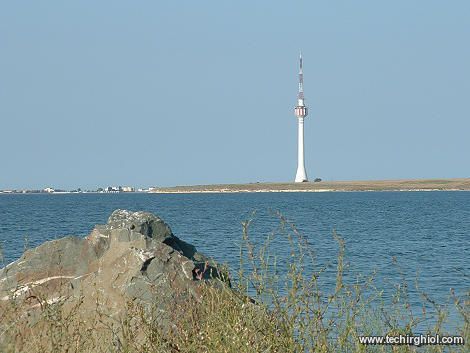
266	310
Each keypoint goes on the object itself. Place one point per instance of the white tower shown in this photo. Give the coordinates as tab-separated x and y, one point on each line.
301	112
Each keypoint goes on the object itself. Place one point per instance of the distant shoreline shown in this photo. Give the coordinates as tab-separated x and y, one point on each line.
402	185
457	184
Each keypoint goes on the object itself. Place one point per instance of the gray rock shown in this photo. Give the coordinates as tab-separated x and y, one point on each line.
135	257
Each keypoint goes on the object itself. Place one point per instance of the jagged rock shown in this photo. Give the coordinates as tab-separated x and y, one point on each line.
134	257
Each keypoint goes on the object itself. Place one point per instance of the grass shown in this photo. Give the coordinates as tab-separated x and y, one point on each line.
355	185
270	308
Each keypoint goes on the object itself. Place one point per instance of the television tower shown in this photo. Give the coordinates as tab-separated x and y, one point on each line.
301	112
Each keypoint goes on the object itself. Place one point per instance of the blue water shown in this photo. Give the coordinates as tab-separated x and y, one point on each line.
427	232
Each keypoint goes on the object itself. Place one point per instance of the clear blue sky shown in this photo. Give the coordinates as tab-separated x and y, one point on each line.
96	93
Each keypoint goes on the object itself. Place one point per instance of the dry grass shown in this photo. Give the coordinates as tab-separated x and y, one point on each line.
368	185
266	310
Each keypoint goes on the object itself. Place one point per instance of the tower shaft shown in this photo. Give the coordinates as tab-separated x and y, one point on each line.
301	174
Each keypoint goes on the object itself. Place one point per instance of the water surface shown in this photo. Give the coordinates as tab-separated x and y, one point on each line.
427	232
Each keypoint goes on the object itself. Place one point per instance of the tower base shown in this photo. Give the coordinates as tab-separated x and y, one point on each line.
301	176
301	181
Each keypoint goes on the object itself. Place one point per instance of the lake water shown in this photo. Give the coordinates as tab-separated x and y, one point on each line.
427	232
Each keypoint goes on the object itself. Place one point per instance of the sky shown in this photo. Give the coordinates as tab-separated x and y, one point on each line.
156	93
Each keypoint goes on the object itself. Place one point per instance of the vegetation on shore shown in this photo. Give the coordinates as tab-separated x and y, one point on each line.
367	185
265	310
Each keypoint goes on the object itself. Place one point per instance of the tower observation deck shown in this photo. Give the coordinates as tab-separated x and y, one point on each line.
301	112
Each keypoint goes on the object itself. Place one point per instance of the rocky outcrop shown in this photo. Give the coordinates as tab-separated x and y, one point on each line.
134	257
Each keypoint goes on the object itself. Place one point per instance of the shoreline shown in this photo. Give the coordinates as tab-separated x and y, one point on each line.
299	191
402	185
239	191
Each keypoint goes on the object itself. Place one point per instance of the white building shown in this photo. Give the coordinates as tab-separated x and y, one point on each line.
301	112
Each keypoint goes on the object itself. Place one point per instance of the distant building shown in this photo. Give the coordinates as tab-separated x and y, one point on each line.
111	189
115	189
49	190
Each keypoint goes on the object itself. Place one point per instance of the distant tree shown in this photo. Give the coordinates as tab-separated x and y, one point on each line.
317	180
